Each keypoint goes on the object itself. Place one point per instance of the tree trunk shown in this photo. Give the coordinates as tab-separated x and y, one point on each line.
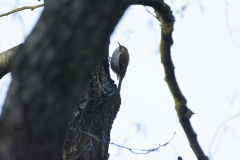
90	126
48	73
54	65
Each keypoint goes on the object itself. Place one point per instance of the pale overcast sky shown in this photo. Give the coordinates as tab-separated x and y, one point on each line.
206	56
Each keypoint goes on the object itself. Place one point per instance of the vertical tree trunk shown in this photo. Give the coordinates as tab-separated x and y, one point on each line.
48	72
90	126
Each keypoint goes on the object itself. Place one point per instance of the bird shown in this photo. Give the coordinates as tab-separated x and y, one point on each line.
119	63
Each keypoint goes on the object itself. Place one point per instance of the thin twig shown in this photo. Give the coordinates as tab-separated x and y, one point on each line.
22	8
226	7
150	12
217	132
133	150
143	151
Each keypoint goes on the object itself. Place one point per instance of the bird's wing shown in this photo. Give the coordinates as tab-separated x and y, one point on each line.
123	63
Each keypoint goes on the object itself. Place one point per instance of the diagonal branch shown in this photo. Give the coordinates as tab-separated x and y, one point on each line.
22	8
164	15
6	59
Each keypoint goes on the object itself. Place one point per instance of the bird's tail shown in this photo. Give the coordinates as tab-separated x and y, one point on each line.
119	84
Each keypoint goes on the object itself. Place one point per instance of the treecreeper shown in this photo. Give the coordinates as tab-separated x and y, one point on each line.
119	63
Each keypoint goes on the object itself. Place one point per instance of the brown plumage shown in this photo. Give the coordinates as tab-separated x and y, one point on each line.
119	63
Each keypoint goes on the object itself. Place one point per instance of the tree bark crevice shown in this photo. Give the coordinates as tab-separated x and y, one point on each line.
96	111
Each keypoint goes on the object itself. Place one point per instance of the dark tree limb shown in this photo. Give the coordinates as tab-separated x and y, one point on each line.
48	73
166	18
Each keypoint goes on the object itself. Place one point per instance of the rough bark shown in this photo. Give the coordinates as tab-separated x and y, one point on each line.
50	69
97	108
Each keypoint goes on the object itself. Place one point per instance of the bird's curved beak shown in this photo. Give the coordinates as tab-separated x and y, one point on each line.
119	44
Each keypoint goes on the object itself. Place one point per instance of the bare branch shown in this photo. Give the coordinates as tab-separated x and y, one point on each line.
22	8
166	18
149	12
133	150
231	34
184	113
6	59
218	131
